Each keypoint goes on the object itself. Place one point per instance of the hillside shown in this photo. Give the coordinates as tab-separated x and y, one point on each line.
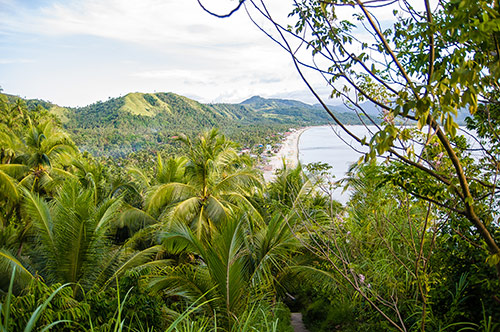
139	121
137	108
171	111
292	110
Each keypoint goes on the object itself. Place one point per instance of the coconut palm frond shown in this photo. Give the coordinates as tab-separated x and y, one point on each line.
225	269
216	211
246	205
187	281
304	190
173	170
57	143
241	181
8	186
167	194
39	212
158	264
148	234
139	176
188	208
7	263
79	245
135	260
135	219
14	170
181	234
47	182
184	139
315	275
79	251
226	158
226	259
124	188
107	212
62	173
10	142
287	185
27	180
272	249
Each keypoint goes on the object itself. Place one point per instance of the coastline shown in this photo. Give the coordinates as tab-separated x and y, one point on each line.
289	151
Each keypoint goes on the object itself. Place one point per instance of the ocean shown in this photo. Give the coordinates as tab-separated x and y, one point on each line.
329	144
332	146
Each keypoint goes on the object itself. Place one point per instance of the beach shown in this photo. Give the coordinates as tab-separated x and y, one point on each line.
289	151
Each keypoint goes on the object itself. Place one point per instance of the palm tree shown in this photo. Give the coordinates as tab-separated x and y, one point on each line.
10	144
71	239
134	221
9	191
237	269
299	198
13	116
91	174
217	183
46	147
172	170
290	186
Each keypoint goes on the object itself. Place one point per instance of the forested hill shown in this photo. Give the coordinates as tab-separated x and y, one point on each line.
171	111
138	121
292	110
157	111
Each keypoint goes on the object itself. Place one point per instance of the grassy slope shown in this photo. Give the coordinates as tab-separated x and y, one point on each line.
137	121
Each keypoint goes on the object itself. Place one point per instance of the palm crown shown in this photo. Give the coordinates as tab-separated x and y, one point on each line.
216	183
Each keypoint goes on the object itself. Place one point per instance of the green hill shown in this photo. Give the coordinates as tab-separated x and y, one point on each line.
296	111
173	112
139	121
156	111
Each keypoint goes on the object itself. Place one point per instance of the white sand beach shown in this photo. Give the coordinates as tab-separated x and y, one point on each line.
289	151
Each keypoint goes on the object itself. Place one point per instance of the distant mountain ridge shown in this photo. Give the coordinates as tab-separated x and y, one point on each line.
259	102
180	109
294	108
135	121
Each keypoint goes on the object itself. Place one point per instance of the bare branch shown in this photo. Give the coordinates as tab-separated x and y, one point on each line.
222	15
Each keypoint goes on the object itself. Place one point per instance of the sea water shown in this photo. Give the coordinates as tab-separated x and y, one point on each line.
331	145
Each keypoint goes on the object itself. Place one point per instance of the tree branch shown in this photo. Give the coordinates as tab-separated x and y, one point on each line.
223	15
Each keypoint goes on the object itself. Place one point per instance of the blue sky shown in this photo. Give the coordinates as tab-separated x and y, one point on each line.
76	52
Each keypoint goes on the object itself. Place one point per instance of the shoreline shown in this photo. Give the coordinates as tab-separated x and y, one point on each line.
289	151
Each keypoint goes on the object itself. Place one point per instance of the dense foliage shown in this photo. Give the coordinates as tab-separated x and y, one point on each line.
198	240
421	66
146	122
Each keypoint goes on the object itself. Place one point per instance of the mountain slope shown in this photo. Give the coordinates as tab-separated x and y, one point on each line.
138	121
295	110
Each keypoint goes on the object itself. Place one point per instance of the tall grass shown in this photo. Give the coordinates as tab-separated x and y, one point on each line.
30	326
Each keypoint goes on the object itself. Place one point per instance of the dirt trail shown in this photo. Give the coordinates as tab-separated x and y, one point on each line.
297	324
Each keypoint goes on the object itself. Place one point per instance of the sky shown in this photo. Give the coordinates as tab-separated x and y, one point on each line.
77	52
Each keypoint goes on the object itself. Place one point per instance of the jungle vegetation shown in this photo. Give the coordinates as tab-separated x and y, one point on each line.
146	122
197	241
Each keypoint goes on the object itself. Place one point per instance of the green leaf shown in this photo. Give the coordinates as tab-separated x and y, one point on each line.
493	259
36	314
323	7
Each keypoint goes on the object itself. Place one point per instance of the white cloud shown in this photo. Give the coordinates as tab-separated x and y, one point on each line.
146	45
144	22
